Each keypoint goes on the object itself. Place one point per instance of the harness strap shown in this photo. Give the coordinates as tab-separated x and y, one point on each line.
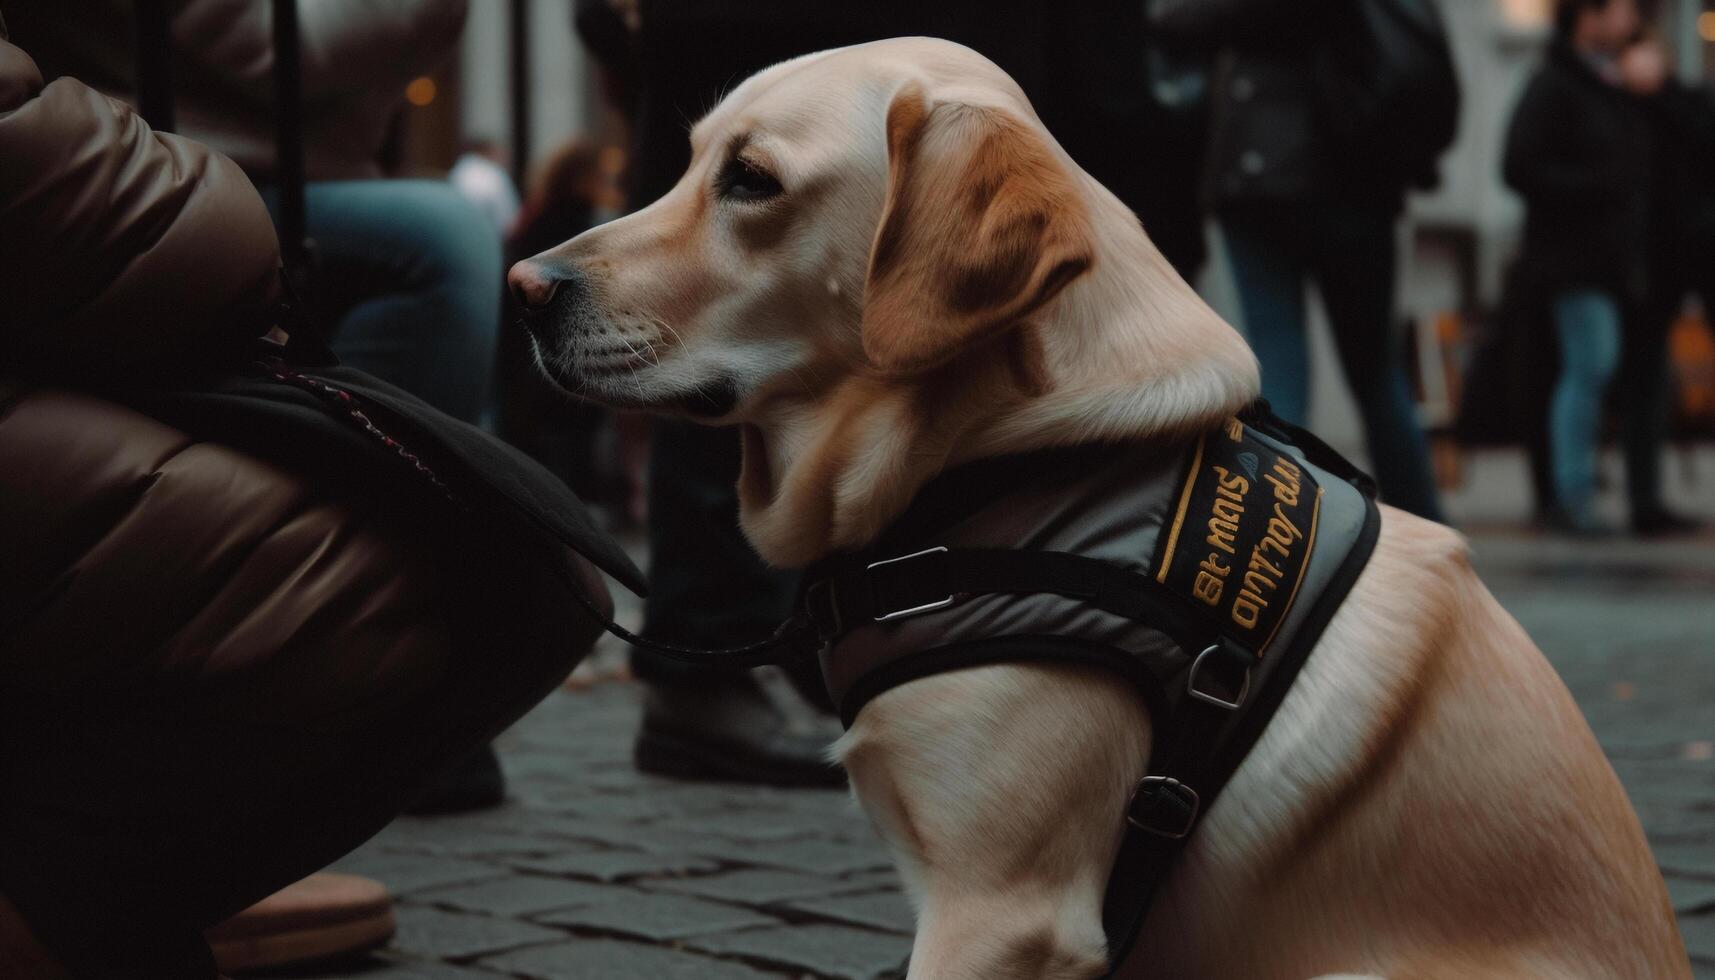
1186	777
851	593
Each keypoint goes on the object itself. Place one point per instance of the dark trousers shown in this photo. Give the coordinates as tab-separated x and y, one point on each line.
707	587
1645	384
1347	250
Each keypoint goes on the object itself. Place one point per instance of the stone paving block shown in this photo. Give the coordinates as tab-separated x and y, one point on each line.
531	823
746	826
820	856
659	918
404	874
624	835
427	933
518	895
888	911
611	959
1691	896
753	887
1684	860
385	968
1699	934
608	866
878	880
475	844
831	951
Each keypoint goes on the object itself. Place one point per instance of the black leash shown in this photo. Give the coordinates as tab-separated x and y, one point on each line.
794	639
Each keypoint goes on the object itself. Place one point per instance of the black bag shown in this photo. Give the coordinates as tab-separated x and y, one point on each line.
1390	89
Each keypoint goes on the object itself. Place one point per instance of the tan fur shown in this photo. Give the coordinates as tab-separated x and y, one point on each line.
939	283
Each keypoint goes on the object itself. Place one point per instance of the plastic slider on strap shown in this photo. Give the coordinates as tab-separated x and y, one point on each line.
911	584
1221	675
1164	806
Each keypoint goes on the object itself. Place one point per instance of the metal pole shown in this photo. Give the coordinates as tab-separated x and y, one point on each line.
155	64
520	42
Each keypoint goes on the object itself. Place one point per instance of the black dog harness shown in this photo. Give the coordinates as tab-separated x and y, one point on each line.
1205	575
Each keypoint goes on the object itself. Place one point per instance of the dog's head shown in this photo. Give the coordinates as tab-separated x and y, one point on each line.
873	210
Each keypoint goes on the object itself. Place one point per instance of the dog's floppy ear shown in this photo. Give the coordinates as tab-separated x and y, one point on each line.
981	227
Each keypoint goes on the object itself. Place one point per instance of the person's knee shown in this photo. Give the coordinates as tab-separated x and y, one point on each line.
456	241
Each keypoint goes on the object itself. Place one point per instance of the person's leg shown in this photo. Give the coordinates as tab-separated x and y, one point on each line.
707	587
410	278
1354	265
1588	323
1646	389
1269	277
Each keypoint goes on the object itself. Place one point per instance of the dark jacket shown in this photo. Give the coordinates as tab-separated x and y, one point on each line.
1577	151
1270	139
1682	188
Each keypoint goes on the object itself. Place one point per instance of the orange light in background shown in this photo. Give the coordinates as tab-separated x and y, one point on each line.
421	91
1706	26
1527	14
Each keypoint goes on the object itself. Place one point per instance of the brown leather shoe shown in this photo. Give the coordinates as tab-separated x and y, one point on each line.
326	916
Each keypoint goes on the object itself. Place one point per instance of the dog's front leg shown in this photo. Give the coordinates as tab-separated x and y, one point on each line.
1002	792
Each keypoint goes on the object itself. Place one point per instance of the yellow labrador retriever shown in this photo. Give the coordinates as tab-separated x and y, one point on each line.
881	266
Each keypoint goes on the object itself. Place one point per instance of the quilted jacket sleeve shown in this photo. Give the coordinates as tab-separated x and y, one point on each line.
121	249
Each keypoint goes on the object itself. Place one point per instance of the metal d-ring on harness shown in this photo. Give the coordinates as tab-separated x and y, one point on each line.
1219	712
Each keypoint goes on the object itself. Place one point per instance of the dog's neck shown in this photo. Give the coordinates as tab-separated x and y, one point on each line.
1127	352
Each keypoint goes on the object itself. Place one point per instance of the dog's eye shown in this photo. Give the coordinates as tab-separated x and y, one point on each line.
743	181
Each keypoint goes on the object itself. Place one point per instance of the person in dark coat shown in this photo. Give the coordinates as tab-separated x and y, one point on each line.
1293	208
1082	66
1577	150
1681	235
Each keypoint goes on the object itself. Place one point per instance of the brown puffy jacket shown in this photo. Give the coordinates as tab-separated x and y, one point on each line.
215	677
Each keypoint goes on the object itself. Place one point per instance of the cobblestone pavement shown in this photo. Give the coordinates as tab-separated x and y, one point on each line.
594	871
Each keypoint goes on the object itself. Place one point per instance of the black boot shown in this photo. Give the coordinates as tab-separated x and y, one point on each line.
728	730
1659	522
474	783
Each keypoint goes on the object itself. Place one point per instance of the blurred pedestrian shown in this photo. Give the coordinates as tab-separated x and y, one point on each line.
1297	206
1578	152
1681	233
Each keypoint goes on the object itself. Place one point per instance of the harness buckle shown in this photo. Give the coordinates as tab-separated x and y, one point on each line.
1236	655
1164	806
883	616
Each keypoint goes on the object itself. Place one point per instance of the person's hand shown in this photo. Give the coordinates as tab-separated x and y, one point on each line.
1643	67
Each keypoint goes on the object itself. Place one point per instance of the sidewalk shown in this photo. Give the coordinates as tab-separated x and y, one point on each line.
593	871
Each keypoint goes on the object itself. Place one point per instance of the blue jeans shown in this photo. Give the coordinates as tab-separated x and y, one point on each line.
1348	249
1588	324
410	280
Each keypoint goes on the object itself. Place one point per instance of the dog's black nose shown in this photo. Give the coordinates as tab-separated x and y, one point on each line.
534	282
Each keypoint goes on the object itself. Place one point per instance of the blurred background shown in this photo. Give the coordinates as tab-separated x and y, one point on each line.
1456	240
